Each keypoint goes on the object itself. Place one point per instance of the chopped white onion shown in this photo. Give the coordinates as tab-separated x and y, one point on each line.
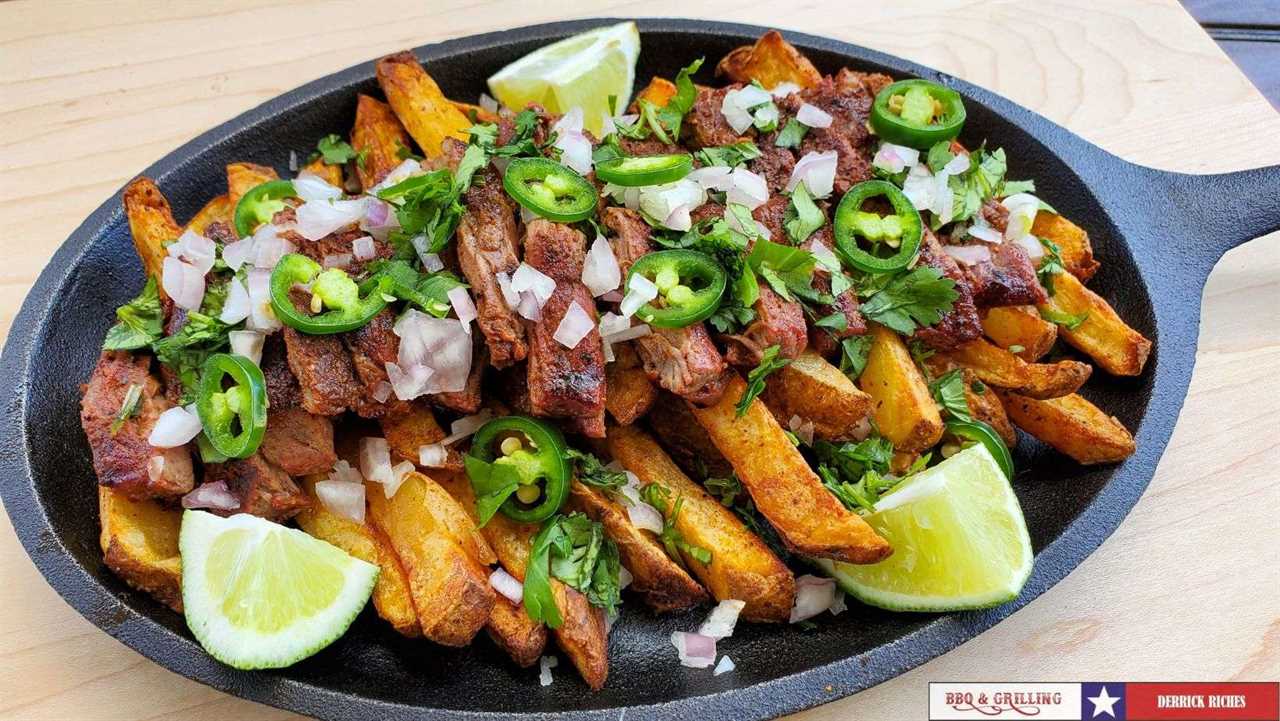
466	426
382	391
401	172
813	116
813	596
575	149
640	290
268	247
600	271
957	165
375	460
507	585
440	345
725	666
747	188
611	323
1031	244
432	263
487	102
509	294
545	664
293	161
679	218
343	499
624	577
337	260
671	202
984	232
784	88
838	606
627	197
529	278
432	455
235	254
175	427
645	516
183	282
1022	209
802	429
399	473
247	343
817	171
195	249
363	248
607	126
237	306
311	187
463	306
737	105
320	218
574	326
968	254
919	188
723	618
824	255
895	158
409	382
155	468
261	316
712	177
343	472
529	307
635	331
214	494
695	650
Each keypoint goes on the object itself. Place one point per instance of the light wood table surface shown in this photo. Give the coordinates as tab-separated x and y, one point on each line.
1187	588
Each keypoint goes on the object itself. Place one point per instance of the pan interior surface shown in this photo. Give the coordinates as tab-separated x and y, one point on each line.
371	662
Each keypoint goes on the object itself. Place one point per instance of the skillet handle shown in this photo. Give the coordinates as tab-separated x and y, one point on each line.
1219	212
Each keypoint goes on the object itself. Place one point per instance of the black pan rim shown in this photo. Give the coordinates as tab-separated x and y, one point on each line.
1171	370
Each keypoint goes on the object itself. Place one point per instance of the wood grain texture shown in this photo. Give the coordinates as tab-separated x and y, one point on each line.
91	93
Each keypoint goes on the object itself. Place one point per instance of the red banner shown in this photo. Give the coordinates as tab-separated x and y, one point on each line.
1202	701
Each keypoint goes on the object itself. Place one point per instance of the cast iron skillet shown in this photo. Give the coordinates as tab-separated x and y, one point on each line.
1158	235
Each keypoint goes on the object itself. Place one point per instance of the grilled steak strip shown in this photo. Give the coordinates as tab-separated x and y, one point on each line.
372	347
564	382
296	440
961	324
488	244
122	460
825	340
323	369
1009	278
262	488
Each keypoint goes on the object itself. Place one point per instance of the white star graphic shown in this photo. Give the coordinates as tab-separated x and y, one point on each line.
1103	703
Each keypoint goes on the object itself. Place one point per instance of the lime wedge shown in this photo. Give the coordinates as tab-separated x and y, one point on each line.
259	595
959	541
579	71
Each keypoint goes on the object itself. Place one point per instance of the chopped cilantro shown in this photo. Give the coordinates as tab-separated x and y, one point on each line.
1070	321
128	406
914	299
140	322
803	216
590	471
948	391
660	498
333	150
1050	265
792	133
730	156
574	549
853	355
769	362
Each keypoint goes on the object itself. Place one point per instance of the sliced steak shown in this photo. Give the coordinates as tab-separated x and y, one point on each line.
468	399
706	211
372	347
706	126
778	322
846	99
298	442
1009	278
630	238
826	340
564	382
282	387
334	244
263	489
961	324
323	369
488	244
122	459
772	215
774	165
872	83
650	146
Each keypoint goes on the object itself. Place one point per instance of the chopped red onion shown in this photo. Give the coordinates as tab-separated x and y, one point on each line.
409	382
442	345
713	177
237	253
214	495
247	343
695	650
529	307
747	189
432	455
337	260
723	618
725	666
607	126
463	306
813	596
343	472
382	391
431	262
237	306
311	187
509	294
343	499
784	88
672	202
640	290
320	218
600	271
363	248
175	427
679	218
574	326
183	282
269	247
817	171
375	460
195	249
968	254
813	116
377	214
545	664
508	585
465	426
399	474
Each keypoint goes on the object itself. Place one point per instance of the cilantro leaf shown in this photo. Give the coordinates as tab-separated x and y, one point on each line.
140	322
660	498
185	352
725	490
948	391
590	471
333	150
730	156
914	299
792	133
128	406
856	473
1013	187
803	216
426	205
853	355
493	483
1050	265
1070	321
769	362
573	549
786	268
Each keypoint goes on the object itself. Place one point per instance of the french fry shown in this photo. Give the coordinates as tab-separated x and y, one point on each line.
416	99
629	394
999	367
379	135
904	409
410	426
391	596
582	636
986	407
243	177
450	589
770	61
514	632
1072	425
1073	244
742	567
815	390
689	445
217	210
1103	335
784	488
151	223
140	544
659	91
1019	325
662	582
331	174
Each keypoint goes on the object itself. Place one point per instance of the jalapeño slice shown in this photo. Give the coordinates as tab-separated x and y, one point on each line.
260	204
550	189
690	286
520	462
335	291
646	170
232	404
892	241
970	432
917	113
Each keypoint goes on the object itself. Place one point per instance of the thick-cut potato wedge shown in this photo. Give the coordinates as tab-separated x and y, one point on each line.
659	91
140	544
770	61
629	392
904	411
663	583
217	210
815	390
1072	425
999	367
742	567
986	407
416	99
410	426
1020	325
514	632
455	519
582	636
243	177
785	490
151	223
391	595
1103	335
450	589
379	135
1072	241
331	174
